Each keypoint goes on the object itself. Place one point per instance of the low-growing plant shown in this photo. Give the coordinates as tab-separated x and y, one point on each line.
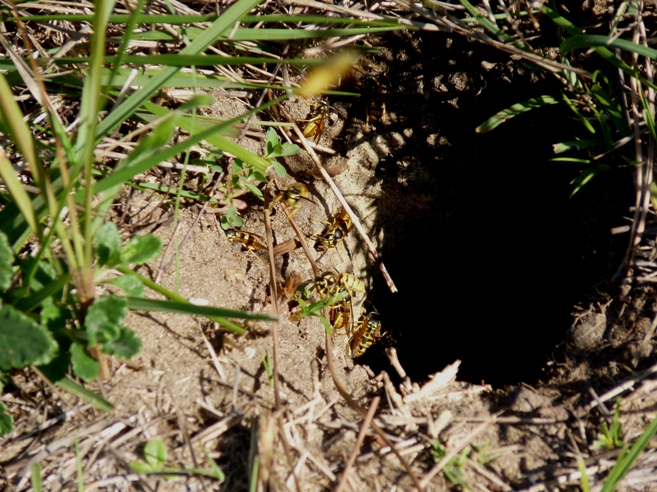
155	457
453	470
302	296
56	247
610	437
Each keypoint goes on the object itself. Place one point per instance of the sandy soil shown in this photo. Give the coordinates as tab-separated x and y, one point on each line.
491	259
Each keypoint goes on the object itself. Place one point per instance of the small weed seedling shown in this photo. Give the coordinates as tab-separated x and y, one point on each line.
453	470
155	456
611	437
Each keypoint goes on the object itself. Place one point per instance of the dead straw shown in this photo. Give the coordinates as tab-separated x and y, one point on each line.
343	202
457	449
329	360
276	340
359	441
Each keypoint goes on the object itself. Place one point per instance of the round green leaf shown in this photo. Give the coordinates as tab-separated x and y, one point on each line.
155	453
123	346
22	341
84	365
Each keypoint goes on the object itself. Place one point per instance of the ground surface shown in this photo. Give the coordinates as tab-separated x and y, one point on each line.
491	259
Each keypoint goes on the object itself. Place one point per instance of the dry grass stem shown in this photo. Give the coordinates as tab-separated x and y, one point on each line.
457	449
341	199
359	441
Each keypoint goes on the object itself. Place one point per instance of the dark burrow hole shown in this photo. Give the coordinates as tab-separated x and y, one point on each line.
487	249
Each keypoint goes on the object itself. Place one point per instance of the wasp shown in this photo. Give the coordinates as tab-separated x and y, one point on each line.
248	240
291	196
334	232
315	126
368	330
332	284
340	315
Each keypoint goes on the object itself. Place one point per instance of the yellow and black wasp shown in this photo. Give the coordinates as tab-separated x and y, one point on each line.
334	232
315	126
248	240
340	315
292	195
367	331
332	284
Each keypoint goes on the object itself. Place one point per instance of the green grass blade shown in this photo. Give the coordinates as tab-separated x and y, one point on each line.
648	116
36	479
587	124
218	140
174	62
200	44
273	34
149	19
90	106
11	120
139	304
611	110
78	465
605	53
582	41
128	35
18	193
125	174
170	190
229	325
81	392
484	21
515	110
626	460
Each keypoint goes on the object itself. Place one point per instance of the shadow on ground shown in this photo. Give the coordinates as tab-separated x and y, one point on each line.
486	248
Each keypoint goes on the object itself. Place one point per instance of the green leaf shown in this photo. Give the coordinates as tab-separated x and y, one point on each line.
627	458
125	346
37	479
611	109
255	190
515	110
56	369
6	260
81	392
108	244
129	284
597	40
142	467
288	149
280	170
6	421
54	317
84	365
137	304
219	27
325	322
22	341
103	319
155	453
4	377
273	142
161	135
141	249
587	175
562	147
